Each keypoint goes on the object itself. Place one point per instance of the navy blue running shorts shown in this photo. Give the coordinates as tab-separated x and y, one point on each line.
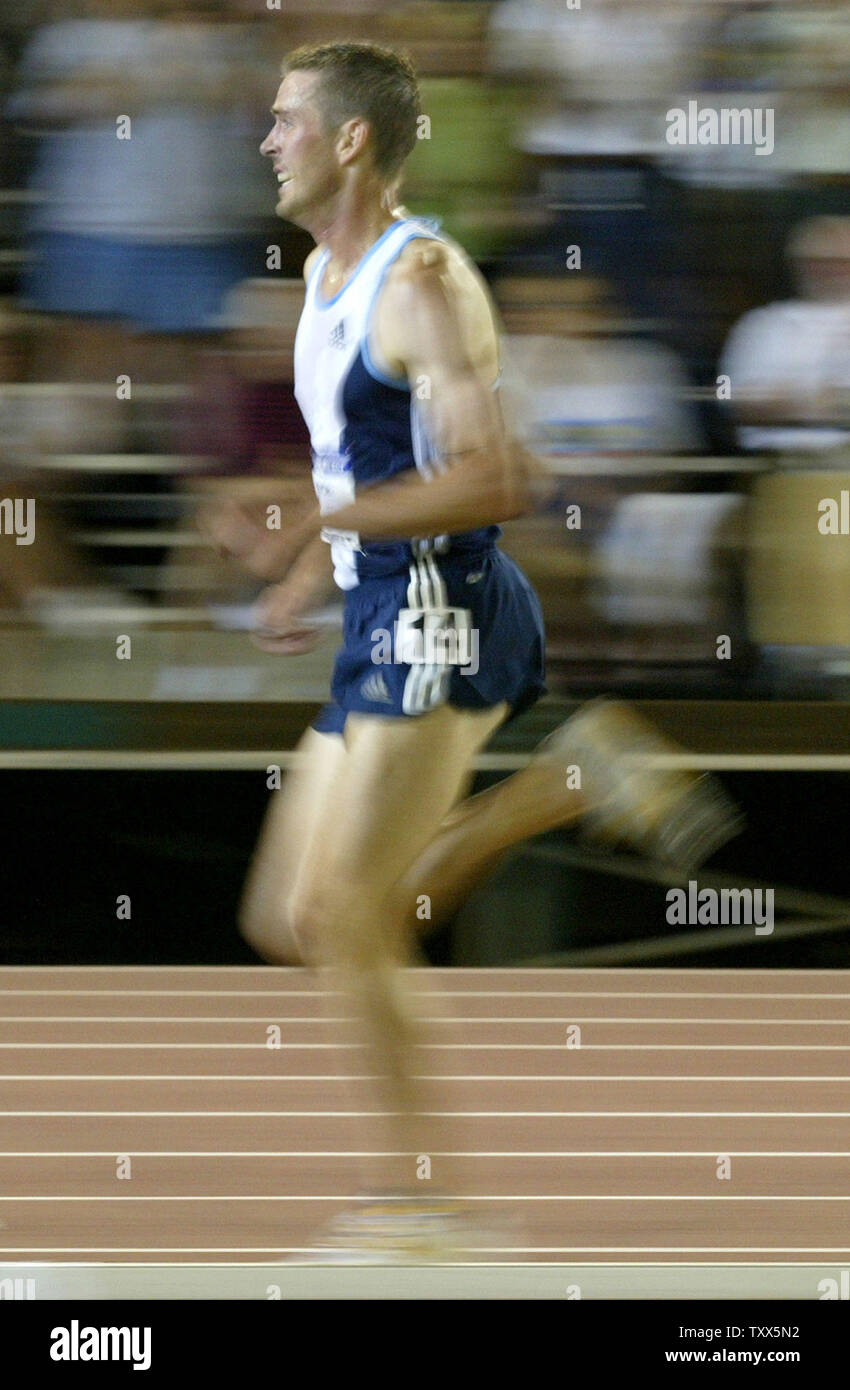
498	653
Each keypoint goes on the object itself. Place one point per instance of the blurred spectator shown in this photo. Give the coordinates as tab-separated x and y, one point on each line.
242	414
732	209
586	382
242	411
45	578
600	78
579	386
148	176
789	363
610	65
666	562
812	46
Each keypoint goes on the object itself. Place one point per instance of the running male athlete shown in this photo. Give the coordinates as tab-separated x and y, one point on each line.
397	375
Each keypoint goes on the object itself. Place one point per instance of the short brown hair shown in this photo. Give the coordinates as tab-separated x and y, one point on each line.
365	79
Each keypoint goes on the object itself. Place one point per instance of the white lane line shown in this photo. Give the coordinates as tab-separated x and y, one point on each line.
492	1250
430	1076
494	1197
435	970
432	1047
435	1153
320	1020
541	994
103	1265
260	759
432	1114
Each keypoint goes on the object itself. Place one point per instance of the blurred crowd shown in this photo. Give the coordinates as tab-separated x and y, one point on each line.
676	315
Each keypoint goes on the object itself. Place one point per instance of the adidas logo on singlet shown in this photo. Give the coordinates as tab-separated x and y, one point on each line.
337	338
375	688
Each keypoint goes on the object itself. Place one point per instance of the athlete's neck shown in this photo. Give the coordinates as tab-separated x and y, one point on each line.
349	231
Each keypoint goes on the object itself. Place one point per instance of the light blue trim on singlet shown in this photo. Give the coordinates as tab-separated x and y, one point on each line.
327	303
317	270
398	383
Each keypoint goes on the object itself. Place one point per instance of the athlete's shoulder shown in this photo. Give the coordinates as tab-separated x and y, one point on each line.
434	276
435	302
429	261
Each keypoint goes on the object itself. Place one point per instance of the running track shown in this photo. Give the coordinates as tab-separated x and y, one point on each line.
604	1152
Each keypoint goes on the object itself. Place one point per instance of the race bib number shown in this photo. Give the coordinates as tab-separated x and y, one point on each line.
333	483
434	636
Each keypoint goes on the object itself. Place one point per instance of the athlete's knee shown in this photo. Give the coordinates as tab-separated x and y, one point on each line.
267	928
336	924
260	931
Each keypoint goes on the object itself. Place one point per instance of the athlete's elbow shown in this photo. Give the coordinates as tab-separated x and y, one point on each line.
496	489
511	495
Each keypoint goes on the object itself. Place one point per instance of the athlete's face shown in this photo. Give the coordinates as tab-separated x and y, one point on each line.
302	151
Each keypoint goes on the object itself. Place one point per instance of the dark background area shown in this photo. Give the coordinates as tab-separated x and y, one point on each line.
179	843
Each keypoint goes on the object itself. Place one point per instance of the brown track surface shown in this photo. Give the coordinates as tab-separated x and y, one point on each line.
605	1152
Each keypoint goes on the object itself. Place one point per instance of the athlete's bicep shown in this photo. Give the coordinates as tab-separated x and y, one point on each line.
459	405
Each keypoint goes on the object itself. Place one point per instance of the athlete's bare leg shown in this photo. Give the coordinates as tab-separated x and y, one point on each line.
475	837
294	814
479	831
383	803
471	841
671	815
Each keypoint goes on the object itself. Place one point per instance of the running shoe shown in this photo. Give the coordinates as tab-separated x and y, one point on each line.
673	815
401	1232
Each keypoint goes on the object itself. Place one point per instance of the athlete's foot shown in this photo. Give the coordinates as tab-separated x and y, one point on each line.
674	815
403	1231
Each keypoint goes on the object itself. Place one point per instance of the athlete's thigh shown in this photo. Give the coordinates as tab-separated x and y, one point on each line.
294	814
397	782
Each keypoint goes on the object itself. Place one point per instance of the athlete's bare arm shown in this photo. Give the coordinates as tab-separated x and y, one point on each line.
433	326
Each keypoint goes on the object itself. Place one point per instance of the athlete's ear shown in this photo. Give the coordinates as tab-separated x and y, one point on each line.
351	139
